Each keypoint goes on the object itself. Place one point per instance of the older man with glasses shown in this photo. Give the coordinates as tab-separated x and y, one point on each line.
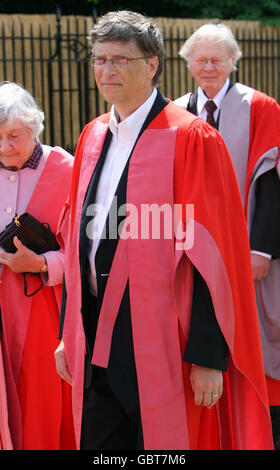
249	122
153	361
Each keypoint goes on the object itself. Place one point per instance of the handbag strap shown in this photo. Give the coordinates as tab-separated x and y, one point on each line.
25	285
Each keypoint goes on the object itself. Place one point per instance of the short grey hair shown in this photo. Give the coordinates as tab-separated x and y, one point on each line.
219	33
127	25
18	103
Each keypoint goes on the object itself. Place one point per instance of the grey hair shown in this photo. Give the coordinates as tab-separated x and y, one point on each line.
127	25
18	103
219	33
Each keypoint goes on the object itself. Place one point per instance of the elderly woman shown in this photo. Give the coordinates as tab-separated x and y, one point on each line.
34	178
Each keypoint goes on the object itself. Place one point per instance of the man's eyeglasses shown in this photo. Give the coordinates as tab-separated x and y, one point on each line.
118	60
202	62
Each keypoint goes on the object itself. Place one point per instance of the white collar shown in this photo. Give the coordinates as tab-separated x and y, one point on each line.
134	121
202	98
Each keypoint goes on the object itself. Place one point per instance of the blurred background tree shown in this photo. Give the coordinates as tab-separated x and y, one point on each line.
266	11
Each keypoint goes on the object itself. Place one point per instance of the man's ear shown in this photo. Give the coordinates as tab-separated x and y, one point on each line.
153	63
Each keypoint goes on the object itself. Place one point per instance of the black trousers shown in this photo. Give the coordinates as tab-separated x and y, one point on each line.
106	424
275	421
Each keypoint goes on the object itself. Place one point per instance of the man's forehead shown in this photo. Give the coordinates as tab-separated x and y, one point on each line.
209	47
114	46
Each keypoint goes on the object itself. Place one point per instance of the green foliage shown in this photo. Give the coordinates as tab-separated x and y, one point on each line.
261	10
229	9
266	11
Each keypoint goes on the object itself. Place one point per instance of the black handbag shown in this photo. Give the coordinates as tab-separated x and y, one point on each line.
35	235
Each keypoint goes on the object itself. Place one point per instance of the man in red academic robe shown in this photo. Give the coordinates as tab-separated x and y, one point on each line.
156	342
249	122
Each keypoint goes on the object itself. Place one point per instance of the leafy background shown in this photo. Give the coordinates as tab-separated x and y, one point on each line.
265	11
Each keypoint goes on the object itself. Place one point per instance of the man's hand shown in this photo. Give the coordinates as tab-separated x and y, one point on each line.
207	385
260	266
61	363
23	260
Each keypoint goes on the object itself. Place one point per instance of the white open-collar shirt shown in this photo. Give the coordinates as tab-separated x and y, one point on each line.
124	135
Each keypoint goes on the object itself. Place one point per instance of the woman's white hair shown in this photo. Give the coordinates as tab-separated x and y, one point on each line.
17	103
219	33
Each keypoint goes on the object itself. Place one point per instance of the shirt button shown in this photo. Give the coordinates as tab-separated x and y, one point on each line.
9	210
12	178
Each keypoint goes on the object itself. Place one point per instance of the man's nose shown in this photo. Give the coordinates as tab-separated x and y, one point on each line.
109	66
208	64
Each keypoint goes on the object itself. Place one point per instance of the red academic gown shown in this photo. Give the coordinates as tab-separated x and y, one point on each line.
195	168
254	150
39	402
264	136
5	436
